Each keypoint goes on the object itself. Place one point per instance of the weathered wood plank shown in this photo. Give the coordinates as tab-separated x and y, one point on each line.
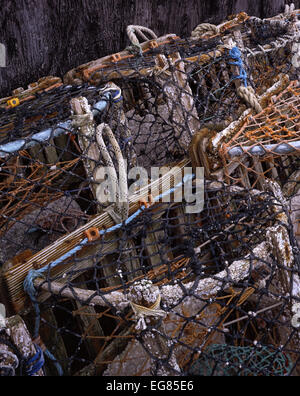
39	49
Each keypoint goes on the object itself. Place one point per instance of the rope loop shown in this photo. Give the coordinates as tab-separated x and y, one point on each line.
122	204
133	30
289	9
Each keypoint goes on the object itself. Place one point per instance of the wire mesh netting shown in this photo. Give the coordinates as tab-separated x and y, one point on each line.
151	283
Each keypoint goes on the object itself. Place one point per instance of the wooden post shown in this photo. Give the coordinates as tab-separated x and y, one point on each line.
50	335
145	294
155	251
90	325
107	355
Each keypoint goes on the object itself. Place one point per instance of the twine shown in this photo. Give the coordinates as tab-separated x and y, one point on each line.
141	312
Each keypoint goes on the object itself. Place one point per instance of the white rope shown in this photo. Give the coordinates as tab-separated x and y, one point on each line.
141	312
122	204
248	94
85	124
289	9
205	29
132	30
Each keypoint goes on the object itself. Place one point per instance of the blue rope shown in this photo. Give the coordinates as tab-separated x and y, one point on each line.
59	369
236	55
32	293
36	362
32	275
116	96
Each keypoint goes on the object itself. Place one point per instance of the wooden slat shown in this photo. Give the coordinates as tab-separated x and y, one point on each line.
15	276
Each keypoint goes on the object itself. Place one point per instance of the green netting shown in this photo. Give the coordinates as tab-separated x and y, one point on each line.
226	360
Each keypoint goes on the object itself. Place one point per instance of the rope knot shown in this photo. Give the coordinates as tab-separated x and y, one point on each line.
235	54
28	284
144	291
244	91
141	312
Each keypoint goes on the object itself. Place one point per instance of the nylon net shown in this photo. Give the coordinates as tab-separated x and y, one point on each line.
158	281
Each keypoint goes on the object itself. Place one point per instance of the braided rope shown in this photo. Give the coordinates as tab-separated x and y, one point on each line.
36	362
248	94
205	29
122	205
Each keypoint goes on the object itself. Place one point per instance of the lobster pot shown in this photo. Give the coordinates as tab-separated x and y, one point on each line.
190	265
265	145
216	272
270	48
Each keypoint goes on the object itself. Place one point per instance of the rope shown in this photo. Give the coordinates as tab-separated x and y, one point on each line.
133	29
141	312
122	205
235	54
245	92
32	275
36	362
135	48
248	94
206	29
51	357
289	9
115	93
30	289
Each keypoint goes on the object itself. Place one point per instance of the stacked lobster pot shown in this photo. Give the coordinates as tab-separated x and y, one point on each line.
149	208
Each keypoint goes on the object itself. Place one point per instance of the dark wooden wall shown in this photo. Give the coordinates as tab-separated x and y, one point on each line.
46	37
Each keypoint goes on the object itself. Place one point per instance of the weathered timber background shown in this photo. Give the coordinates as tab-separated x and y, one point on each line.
46	37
